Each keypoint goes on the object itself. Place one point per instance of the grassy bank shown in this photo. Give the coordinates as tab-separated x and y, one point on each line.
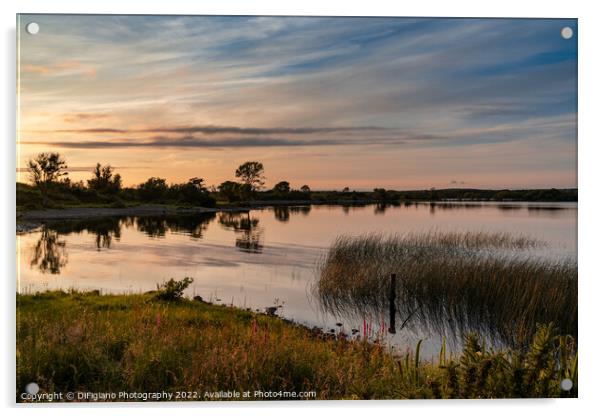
138	343
452	282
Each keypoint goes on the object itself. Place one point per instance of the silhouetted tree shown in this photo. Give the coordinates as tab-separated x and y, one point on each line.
251	173
305	189
104	180
194	192
153	189
282	187
46	169
230	190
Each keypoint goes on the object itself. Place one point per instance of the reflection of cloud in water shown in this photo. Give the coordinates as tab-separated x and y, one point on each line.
211	254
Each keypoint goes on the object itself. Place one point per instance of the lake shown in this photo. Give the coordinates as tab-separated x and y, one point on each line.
263	258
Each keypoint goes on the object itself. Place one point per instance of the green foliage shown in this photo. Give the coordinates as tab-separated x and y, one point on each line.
173	290
89	342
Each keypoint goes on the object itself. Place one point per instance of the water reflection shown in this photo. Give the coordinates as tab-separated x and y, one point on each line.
154	227
249	234
193	225
543	209
105	230
49	254
283	213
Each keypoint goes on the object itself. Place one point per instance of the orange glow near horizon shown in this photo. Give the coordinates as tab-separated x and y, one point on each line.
174	97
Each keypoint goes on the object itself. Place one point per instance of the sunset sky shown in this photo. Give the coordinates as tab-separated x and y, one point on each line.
401	103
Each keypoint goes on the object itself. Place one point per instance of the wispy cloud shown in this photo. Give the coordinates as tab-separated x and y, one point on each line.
224	142
228	129
419	91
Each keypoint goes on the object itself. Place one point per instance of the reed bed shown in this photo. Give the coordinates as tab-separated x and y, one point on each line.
452	283
138	343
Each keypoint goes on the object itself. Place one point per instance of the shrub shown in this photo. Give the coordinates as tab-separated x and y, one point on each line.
173	289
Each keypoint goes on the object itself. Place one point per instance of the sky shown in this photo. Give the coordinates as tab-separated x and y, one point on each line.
399	103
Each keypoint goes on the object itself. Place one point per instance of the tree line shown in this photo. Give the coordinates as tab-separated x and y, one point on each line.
52	187
48	174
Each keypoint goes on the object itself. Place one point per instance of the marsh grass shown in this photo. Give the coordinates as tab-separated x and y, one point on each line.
137	343
452	283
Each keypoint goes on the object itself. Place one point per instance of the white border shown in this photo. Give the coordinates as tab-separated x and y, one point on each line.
590	342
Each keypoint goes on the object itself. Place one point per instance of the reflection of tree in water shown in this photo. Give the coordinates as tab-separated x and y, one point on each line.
49	254
249	235
381	207
193	225
282	214
104	229
155	227
301	209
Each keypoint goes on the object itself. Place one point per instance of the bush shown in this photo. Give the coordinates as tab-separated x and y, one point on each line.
153	189
173	289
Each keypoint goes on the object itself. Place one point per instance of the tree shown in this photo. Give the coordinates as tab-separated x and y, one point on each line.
282	187
251	173
153	189
46	169
346	189
380	194
104	180
305	189
194	192
230	190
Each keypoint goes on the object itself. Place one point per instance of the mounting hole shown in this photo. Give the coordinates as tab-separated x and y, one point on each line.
566	384
32	28
566	32
32	388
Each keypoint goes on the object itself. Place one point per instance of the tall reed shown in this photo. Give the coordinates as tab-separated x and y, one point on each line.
452	283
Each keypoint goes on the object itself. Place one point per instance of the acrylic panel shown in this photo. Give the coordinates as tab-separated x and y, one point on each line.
285	208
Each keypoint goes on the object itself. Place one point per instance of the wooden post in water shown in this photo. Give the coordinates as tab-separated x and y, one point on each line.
392	293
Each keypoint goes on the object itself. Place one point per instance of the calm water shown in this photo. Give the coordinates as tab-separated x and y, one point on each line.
264	258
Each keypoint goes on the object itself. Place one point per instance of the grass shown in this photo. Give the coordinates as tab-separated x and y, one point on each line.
452	283
138	343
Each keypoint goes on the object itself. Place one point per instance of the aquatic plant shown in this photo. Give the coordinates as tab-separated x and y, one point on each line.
451	283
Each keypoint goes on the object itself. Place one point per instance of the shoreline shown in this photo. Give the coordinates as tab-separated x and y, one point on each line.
130	342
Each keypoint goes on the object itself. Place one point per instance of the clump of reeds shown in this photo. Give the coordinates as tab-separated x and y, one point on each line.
452	283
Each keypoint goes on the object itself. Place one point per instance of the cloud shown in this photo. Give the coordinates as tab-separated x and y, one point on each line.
228	129
228	142
76	168
60	68
255	130
93	130
75	117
